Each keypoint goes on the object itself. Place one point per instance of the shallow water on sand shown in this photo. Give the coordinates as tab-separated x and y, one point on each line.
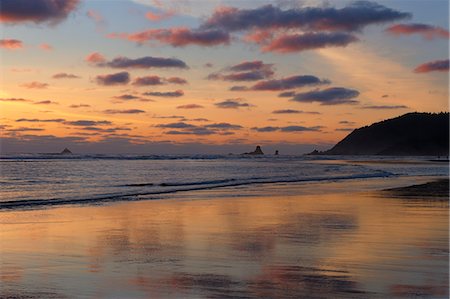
331	245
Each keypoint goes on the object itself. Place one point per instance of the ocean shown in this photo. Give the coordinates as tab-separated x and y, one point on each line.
36	180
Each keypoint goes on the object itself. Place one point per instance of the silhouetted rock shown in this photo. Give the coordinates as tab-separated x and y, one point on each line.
276	153
314	152
257	151
412	134
66	151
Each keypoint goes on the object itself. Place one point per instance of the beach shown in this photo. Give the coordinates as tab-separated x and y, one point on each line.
288	240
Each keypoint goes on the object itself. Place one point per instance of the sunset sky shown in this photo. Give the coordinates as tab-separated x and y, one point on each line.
154	76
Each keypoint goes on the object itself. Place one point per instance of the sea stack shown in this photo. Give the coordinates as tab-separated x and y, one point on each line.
66	151
257	151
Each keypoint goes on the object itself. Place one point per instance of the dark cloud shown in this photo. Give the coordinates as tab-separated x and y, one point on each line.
287	94
232	104
287	129
65	76
250	66
308	41
24	129
245	71
239	88
80	106
85	123
329	96
177	37
144	63
125	111
34	85
35	120
14	100
46	102
426	31
167	94
170	117
190	106
148	80
182	128
433	66
223	126
345	129
381	107
292	111
289	83
11	44
177	125
120	78
346	122
176	80
37	11
127	97
349	18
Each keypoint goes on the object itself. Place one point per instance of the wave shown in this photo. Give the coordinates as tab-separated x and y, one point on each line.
193	186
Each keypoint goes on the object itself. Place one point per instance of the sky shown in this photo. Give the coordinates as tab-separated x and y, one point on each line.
191	76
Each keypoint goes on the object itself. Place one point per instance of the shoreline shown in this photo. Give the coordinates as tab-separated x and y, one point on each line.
286	241
397	185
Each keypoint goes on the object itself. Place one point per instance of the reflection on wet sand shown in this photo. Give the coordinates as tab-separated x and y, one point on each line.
315	246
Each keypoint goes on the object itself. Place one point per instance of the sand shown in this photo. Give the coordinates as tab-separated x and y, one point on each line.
224	244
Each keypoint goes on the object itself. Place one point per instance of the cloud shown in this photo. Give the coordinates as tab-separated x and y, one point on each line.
190	106
35	120
289	83
349	18
238	88
34	85
95	58
11	44
176	80
37	11
433	66
148	80
345	129
167	94
126	111
426	31
24	129
163	15
85	123
244	71
14	100
177	37
250	66
308	41
287	94
46	102
182	128
177	125
381	107
232	104
98	19
293	111
46	47
120	78
346	122
65	76
223	126
143	62
287	129
80	106
329	96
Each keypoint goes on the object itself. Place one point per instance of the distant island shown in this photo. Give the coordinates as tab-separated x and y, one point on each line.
412	134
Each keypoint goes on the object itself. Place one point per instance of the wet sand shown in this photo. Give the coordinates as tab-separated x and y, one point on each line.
322	244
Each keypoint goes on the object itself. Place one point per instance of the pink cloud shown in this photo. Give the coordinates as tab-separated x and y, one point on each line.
46	47
177	37
426	31
95	57
34	85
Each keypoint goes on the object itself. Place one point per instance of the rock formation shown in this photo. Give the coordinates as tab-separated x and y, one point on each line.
257	151
66	151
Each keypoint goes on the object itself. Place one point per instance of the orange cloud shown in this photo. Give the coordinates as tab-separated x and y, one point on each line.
34	85
11	44
46	47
